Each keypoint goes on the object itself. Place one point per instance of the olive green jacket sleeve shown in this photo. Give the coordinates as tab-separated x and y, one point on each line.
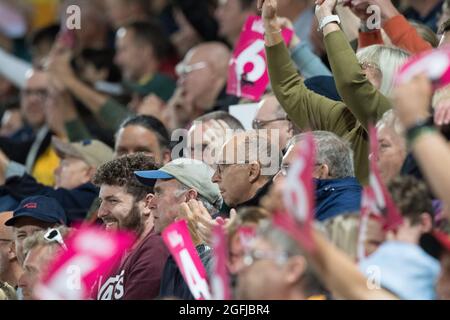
112	114
307	109
77	130
365	102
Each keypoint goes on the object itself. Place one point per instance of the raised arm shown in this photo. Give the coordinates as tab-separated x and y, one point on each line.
429	147
399	30
306	108
365	102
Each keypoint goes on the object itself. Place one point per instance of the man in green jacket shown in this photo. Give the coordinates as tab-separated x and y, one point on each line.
364	104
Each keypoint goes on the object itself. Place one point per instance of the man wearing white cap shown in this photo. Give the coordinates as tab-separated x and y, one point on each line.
175	183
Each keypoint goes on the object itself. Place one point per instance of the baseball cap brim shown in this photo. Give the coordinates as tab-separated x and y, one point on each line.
64	149
13	221
149	177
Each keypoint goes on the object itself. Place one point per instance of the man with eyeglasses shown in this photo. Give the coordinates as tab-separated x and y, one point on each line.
10	268
175	184
337	191
40	250
30	146
275	268
272	117
201	86
208	133
245	167
141	49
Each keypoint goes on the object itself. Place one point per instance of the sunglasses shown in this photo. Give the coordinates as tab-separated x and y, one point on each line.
53	235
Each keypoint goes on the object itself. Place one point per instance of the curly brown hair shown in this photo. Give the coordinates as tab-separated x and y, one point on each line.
412	197
120	172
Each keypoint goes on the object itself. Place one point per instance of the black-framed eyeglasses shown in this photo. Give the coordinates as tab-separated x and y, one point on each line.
251	256
261	124
53	235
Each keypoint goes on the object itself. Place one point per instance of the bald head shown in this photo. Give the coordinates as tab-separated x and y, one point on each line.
6	233
204	75
246	163
252	146
270	108
272	117
214	53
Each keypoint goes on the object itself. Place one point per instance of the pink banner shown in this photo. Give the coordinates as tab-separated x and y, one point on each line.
179	242
434	63
246	235
376	199
247	73
299	196
220	282
91	252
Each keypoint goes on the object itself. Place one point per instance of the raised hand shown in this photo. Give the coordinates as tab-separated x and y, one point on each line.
200	222
268	9
325	8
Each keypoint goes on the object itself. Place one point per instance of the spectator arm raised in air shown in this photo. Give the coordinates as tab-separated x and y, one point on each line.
369	38
307	109
365	102
404	35
307	62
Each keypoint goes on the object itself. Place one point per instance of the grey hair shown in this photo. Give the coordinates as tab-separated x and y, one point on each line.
212	208
387	59
231	121
282	242
254	145
332	151
390	120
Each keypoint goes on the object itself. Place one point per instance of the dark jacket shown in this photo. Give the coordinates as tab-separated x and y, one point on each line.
257	197
172	282
17	148
253	202
76	202
337	196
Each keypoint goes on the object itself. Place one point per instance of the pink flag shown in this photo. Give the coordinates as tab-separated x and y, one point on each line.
246	235
376	198
91	252
220	282
179	242
247	73
434	63
299	196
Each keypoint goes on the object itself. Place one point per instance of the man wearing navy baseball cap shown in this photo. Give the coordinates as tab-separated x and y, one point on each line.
34	214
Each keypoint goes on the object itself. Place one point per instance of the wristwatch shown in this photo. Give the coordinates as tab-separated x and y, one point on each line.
328	19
